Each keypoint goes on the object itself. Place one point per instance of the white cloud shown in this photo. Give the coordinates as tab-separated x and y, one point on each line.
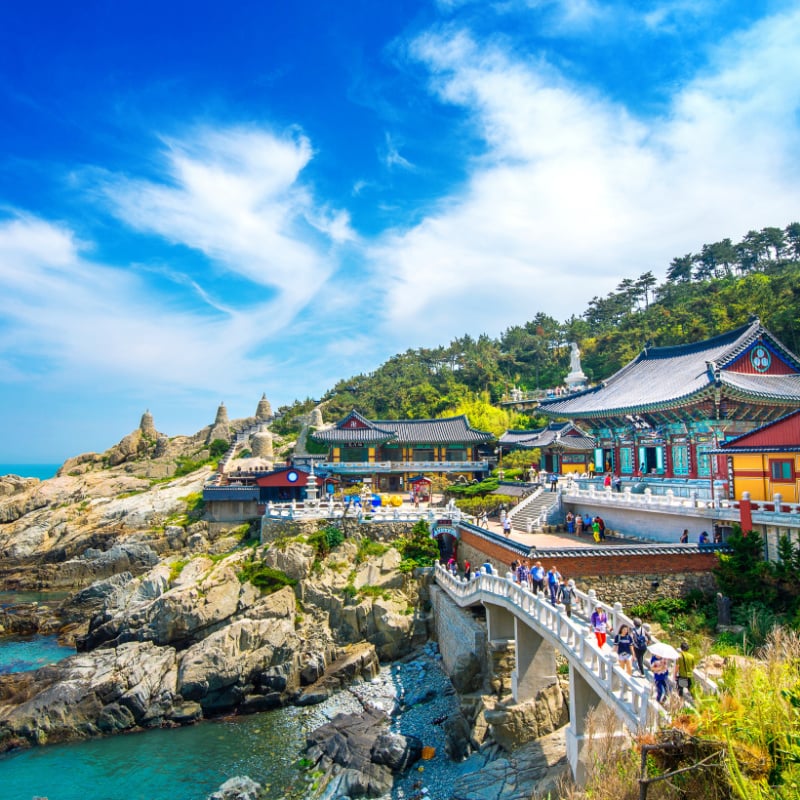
92	323
235	195
574	192
392	157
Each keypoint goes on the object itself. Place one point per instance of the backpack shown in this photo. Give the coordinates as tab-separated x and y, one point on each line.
639	639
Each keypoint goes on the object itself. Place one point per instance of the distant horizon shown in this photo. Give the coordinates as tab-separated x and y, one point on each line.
202	207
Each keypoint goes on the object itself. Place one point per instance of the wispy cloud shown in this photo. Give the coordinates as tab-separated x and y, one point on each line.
575	190
392	157
235	195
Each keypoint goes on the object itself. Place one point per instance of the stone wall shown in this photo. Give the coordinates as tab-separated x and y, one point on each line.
633	590
462	643
272	529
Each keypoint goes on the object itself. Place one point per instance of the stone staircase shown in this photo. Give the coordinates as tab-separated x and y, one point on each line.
535	512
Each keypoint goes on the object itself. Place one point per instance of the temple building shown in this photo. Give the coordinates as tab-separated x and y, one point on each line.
389	453
766	461
563	446
666	411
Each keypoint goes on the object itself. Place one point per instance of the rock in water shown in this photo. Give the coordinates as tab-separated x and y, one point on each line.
358	754
238	788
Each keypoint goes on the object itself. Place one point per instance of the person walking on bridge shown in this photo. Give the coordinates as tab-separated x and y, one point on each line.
537	577
567	596
623	643
641	638
553	582
600	625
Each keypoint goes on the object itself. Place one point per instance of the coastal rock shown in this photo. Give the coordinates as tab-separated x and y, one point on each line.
358	754
237	788
212	671
295	559
518	724
84	695
531	771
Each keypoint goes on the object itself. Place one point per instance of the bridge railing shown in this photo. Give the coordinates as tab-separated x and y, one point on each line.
632	698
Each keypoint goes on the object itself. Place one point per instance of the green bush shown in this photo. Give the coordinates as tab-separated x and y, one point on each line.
325	540
218	448
369	547
419	549
268	579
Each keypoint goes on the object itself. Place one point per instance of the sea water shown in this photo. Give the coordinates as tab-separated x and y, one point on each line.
176	764
23	653
40	471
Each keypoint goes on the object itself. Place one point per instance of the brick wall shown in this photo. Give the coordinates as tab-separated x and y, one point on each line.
576	565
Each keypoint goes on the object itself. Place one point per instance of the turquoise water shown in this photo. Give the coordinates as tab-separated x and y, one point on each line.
178	764
19	654
41	471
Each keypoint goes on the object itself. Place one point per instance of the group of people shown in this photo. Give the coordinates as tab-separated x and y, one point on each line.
629	642
577	524
532	576
630	645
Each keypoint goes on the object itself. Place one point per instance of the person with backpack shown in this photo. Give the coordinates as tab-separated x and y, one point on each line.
684	670
641	640
567	596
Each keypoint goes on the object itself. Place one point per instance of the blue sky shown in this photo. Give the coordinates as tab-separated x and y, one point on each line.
201	202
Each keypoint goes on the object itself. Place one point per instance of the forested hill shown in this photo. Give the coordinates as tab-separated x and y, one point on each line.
704	294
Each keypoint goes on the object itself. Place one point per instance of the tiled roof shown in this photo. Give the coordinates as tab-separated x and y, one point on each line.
406	431
666	376
543	437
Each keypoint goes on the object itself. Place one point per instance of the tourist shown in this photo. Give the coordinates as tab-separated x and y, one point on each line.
600	625
591	469
660	669
617	483
641	639
522	574
684	670
587	523
487	568
684	536
467	570
607	480
537	576
507	526
553	481
578	524
623	643
717	536
703	538
596	529
601	527
567	596
570	522
553	582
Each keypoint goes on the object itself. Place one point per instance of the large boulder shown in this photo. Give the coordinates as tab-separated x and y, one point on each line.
358	756
85	695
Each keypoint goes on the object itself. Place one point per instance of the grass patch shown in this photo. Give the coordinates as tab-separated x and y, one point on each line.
374	592
369	548
175	569
266	578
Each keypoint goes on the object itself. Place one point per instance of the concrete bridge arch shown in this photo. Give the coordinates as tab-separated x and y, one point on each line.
539	629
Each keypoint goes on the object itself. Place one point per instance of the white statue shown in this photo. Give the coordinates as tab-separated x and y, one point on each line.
575	358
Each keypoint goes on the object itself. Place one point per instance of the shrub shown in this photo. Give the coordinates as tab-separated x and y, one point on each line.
369	547
266	578
325	540
419	549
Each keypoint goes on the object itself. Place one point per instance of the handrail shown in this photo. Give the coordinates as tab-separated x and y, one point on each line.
631	698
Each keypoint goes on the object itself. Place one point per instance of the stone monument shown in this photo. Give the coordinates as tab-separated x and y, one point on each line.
576	379
264	410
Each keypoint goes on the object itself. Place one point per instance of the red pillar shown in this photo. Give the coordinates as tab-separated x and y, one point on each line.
746	512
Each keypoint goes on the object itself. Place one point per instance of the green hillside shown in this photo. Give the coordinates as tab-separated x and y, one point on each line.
704	294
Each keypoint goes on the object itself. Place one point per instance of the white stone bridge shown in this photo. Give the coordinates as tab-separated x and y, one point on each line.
538	630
